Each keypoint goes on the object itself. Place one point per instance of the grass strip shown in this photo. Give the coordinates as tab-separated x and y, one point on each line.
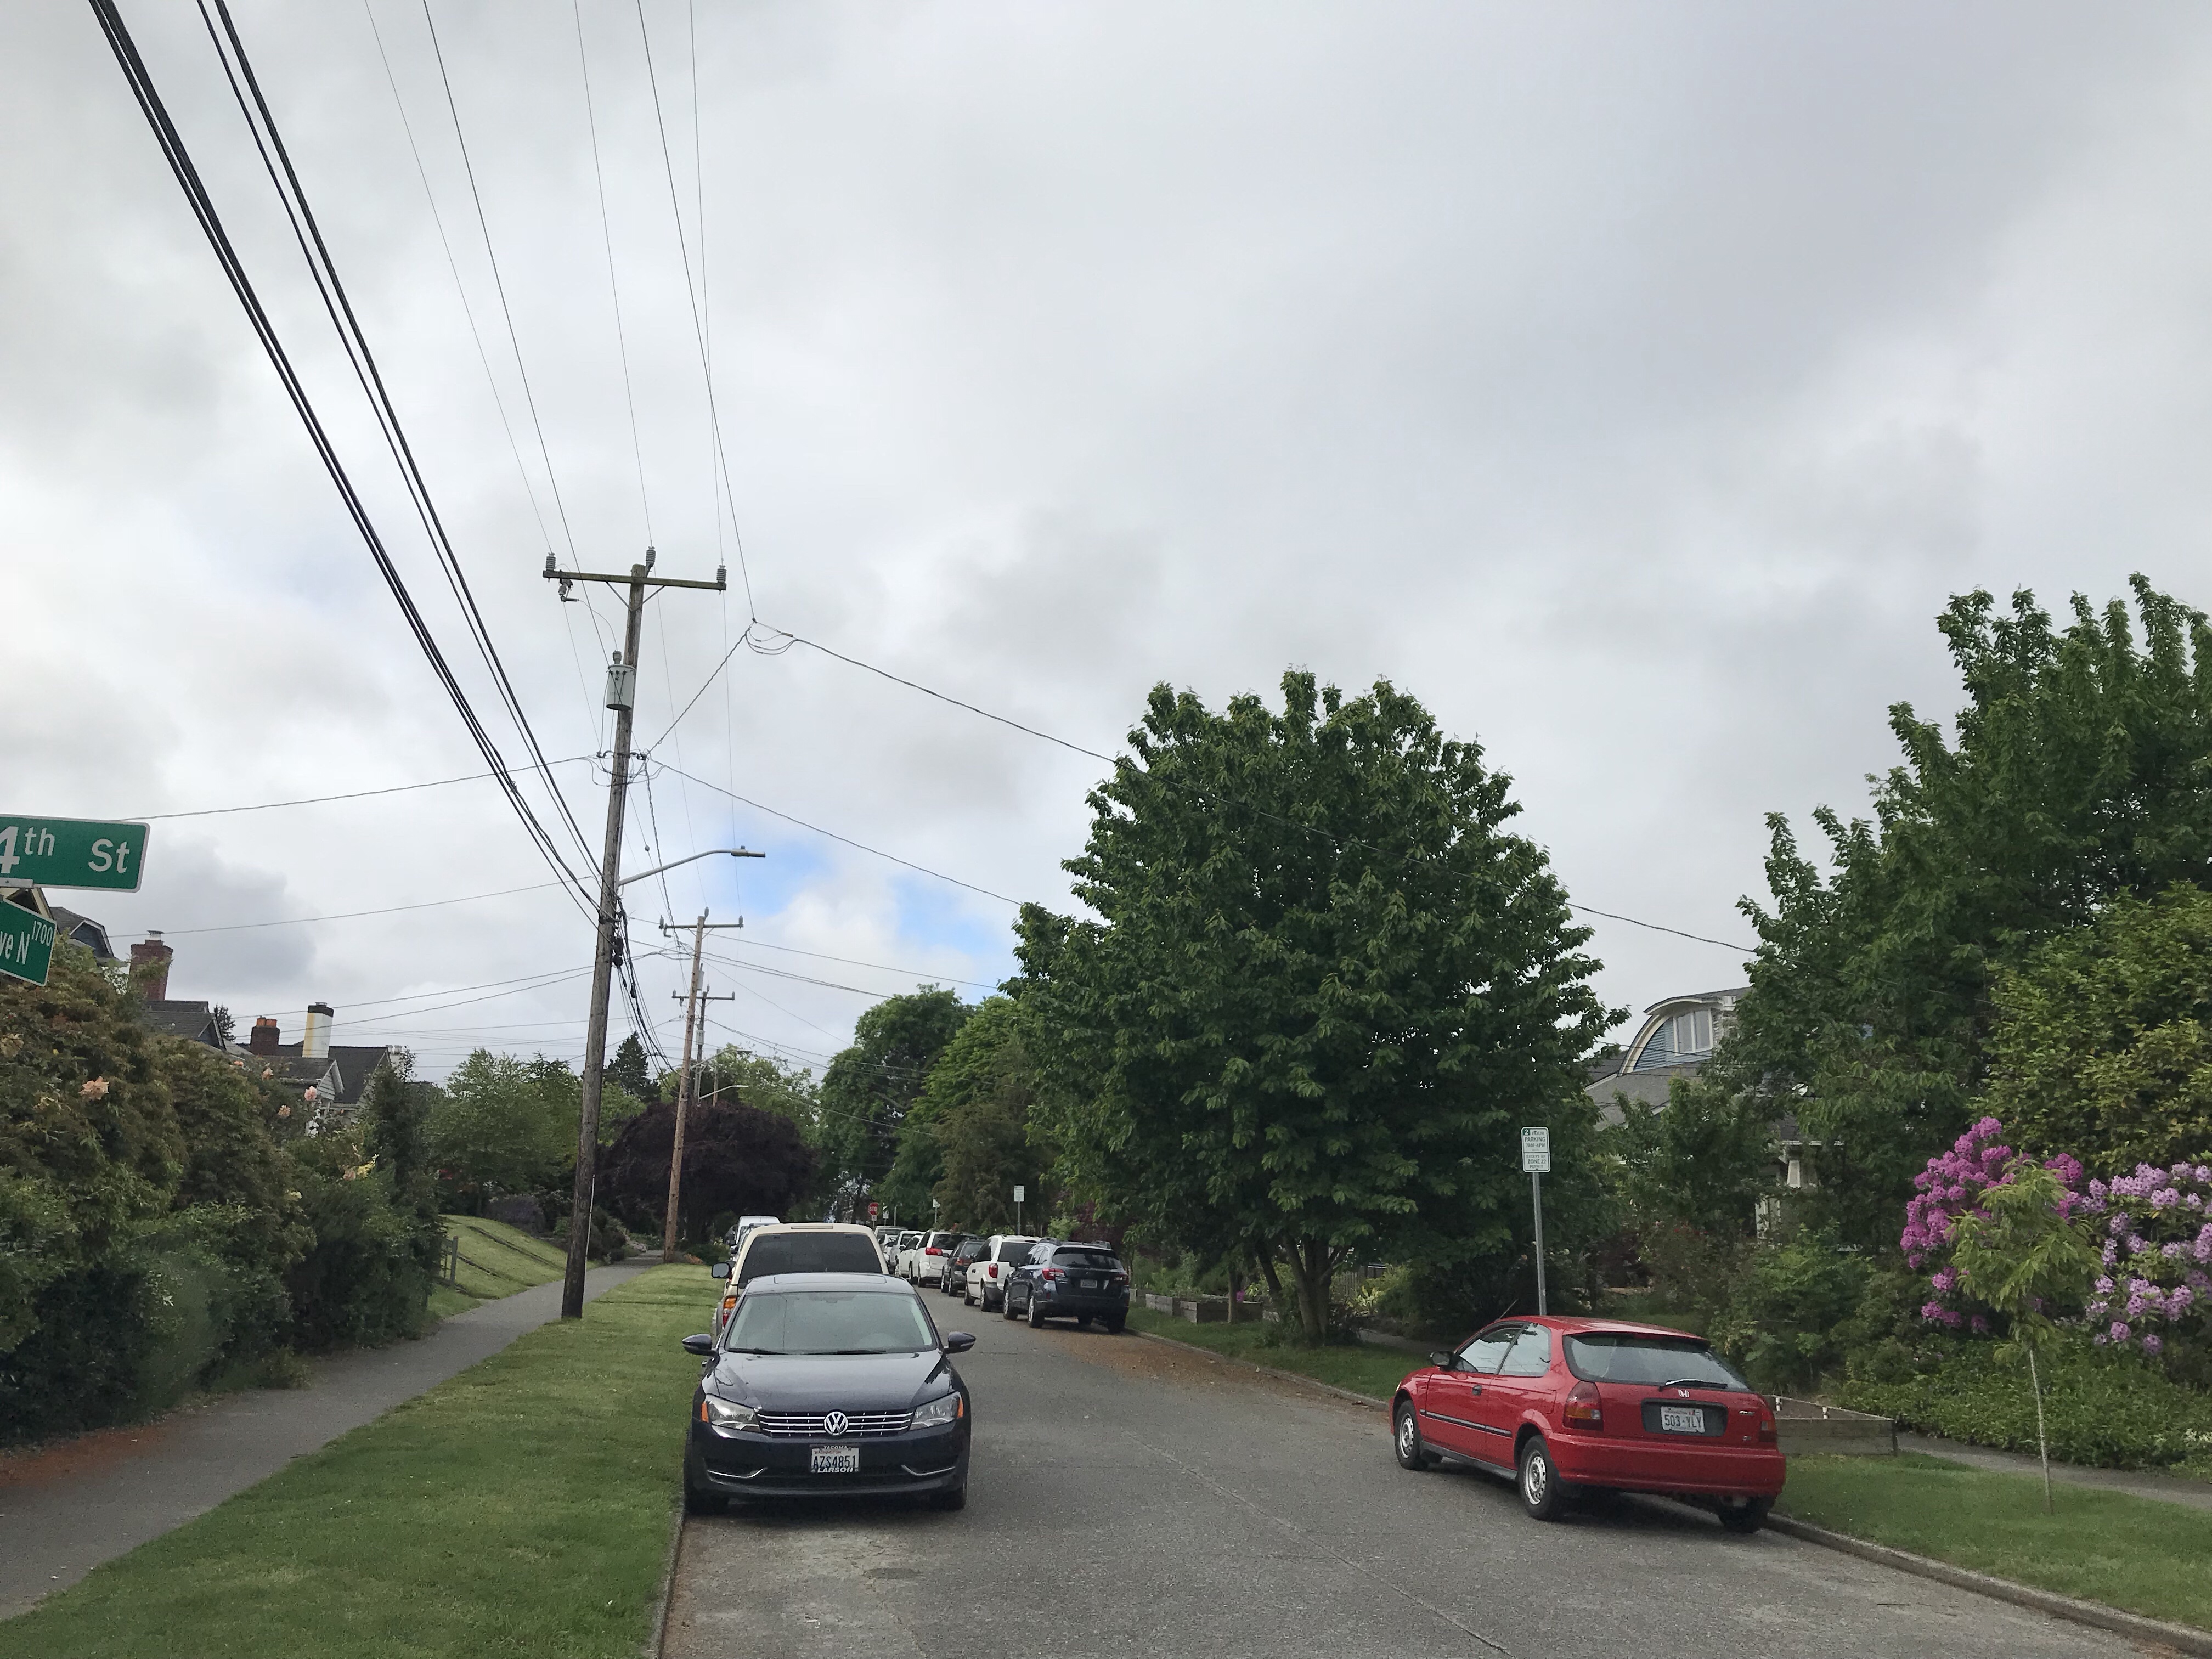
1363	1370
496	1260
2135	1553
521	1508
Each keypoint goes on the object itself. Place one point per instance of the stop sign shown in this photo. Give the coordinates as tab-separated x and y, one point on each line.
874	1209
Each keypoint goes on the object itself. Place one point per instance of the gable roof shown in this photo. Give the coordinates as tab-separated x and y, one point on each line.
74	925
356	1062
192	1021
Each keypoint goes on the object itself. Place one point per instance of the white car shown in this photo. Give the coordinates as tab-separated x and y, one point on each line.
745	1225
887	1241
923	1262
795	1247
988	1274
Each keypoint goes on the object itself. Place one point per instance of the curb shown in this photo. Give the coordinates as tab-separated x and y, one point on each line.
2180	1638
653	1643
1280	1375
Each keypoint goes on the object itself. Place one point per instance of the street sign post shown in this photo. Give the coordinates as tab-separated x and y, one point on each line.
1536	1161
71	853
1018	1208
26	943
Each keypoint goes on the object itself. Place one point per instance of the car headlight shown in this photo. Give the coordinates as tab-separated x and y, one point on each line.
727	1416
937	1413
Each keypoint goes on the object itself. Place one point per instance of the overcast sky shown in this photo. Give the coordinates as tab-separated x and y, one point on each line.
1632	384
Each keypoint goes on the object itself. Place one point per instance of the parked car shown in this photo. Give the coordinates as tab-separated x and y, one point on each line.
796	1247
988	1275
908	1241
957	1265
736	1236
1573	1407
828	1383
924	1264
1062	1280
887	1240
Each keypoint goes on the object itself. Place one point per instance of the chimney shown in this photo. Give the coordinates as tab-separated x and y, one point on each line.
149	967
263	1040
315	1041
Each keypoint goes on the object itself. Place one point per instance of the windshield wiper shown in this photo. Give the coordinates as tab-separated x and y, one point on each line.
1697	1382
752	1351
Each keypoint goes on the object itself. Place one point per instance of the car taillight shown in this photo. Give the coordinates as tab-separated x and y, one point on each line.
992	1269
1052	1273
1766	1428
1583	1409
1120	1278
932	1250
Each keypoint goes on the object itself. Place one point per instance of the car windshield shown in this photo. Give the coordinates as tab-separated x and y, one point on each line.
1086	1259
808	1253
829	1321
1649	1362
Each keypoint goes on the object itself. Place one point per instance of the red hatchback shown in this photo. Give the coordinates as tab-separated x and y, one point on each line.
1574	1407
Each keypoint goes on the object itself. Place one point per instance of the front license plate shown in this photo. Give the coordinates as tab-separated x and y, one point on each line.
1673	1420
836	1459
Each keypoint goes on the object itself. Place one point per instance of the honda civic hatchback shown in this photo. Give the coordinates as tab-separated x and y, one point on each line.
826	1383
1576	1407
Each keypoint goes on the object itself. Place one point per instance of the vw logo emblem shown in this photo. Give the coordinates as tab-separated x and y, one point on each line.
835	1423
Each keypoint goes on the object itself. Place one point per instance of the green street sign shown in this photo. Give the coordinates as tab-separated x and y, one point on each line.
27	944
71	853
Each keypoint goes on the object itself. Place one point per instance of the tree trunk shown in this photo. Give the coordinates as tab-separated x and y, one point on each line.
1309	1266
2042	1444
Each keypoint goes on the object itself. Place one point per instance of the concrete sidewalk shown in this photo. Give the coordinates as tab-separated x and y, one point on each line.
64	1511
2138	1483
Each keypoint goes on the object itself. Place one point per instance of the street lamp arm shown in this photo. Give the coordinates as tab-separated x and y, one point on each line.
715	852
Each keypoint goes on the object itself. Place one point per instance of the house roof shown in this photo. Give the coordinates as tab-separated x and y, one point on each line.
192	1021
356	1063
1646	1088
84	930
1731	994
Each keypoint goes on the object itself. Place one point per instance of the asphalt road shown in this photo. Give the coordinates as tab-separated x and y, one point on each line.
1127	1497
65	1511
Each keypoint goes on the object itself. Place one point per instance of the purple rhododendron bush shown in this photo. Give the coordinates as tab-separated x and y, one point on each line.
2125	1388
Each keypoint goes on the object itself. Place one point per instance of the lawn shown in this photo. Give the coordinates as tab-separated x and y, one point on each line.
1363	1370
496	1260
2137	1553
522	1508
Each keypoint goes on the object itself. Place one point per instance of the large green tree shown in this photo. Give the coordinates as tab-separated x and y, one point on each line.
1323	991
871	1085
966	1143
2079	770
505	1125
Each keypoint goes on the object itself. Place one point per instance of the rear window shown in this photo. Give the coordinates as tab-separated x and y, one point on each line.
1650	1362
943	1241
808	1253
1086	1259
1016	1249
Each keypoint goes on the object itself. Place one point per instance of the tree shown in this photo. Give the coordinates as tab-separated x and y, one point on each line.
628	1068
2101	1043
2081	771
966	1143
505	1126
761	1081
870	1085
2024	1255
1324	991
737	1157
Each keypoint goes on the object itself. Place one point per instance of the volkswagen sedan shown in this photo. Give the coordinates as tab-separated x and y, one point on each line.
825	1384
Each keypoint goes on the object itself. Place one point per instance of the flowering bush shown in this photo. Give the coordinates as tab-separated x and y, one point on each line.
2157	1238
1952	1187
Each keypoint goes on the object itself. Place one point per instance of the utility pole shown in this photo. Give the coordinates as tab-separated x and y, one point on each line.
622	697
684	1089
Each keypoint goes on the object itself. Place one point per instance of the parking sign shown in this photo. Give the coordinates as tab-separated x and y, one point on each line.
1536	1152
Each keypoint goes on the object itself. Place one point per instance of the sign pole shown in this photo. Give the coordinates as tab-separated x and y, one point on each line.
1536	1161
1536	1192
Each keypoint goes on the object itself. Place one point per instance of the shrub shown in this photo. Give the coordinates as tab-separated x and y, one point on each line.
1785	1309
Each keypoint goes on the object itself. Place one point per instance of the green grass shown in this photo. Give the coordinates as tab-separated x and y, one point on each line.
2136	1553
1363	1370
496	1260
521	1508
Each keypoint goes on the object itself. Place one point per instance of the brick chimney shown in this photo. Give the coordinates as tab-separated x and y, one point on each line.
149	967
263	1038
315	1041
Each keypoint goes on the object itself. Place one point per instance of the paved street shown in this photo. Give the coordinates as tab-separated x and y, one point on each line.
1130	1497
64	1511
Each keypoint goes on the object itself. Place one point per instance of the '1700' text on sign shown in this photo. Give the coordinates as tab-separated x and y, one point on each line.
27	944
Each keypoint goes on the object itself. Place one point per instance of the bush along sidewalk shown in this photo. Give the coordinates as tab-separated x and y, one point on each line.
521	1507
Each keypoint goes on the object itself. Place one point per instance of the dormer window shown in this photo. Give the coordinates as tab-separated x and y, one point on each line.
1678	1040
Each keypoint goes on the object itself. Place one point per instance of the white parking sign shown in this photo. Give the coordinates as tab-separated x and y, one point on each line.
1536	1152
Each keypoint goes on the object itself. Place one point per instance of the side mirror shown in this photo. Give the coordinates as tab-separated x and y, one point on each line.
958	1341
703	1345
721	1270
1445	1362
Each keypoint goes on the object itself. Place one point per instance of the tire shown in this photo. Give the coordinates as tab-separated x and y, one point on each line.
1083	1322
703	1503
1543	1494
1412	1452
1035	1313
954	1498
967	1297
1113	1325
1747	1516
1007	1305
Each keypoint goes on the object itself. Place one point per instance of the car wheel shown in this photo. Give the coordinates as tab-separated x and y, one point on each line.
1035	1313
1405	1440
1543	1494
1006	1305
967	1297
956	1499
1113	1325
1748	1515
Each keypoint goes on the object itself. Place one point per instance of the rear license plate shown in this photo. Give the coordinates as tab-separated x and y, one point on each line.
1673	1420
836	1459
1094	1283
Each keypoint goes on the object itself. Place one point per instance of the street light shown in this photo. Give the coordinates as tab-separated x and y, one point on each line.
712	852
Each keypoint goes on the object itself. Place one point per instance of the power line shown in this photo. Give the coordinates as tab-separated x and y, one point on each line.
854	962
351	794
350	915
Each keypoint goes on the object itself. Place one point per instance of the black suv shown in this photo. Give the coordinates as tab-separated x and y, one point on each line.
965	1254
1065	1281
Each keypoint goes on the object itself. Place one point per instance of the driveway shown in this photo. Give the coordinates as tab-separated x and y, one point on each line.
1130	1497
64	1511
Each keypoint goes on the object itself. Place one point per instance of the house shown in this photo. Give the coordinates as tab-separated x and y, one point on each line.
346	1068
83	930
1675	1040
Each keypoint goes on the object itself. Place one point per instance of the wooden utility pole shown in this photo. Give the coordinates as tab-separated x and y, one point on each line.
686	1090
622	697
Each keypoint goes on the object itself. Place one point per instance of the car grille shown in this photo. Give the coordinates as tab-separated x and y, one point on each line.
858	1426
